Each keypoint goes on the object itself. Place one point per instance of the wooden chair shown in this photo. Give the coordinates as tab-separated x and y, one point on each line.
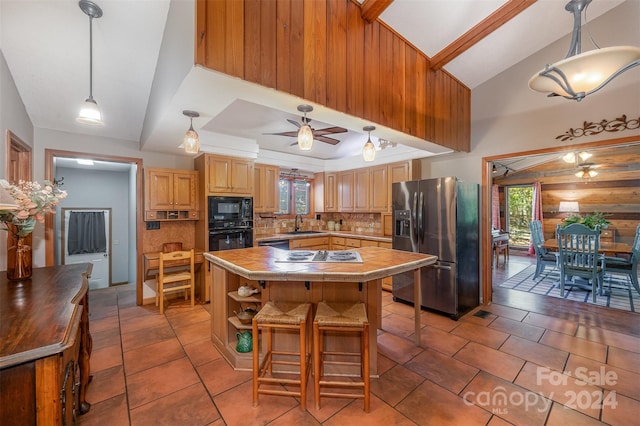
543	256
578	247
171	280
334	318
501	246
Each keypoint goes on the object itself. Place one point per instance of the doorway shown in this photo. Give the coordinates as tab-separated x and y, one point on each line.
86	237
131	223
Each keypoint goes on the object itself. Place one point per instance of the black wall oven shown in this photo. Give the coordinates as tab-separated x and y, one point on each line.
230	223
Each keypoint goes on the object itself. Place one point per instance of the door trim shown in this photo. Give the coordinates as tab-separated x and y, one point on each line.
49	156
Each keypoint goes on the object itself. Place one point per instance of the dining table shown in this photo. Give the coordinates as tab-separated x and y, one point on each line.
606	247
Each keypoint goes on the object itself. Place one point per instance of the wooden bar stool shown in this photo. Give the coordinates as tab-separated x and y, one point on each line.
282	316
340	318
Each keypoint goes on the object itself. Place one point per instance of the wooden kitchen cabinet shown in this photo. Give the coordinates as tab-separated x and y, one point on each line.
266	193
380	188
228	175
314	243
361	192
346	188
170	194
330	192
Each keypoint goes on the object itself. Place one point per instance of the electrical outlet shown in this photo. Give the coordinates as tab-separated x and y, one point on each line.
153	225
317	217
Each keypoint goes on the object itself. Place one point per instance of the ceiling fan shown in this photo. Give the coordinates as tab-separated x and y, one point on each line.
318	134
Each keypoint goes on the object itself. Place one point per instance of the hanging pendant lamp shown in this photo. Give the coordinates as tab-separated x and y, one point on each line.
581	74
89	112
305	133
191	141
369	149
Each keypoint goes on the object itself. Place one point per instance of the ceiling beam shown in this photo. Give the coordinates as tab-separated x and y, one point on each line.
371	9
485	27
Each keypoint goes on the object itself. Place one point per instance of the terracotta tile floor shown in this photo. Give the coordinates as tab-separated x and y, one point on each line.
522	362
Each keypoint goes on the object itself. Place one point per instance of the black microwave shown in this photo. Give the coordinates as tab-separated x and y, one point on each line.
227	208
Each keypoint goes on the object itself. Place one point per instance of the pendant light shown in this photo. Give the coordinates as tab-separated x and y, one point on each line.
305	133
191	141
89	112
581	74
369	149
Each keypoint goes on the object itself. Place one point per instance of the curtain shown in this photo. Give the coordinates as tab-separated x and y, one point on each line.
87	233
495	207
536	209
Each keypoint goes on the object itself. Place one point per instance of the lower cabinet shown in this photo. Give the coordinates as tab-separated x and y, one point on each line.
314	243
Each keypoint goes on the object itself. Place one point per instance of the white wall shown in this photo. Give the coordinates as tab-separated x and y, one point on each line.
502	119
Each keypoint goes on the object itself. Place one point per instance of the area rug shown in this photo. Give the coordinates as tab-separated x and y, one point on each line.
622	296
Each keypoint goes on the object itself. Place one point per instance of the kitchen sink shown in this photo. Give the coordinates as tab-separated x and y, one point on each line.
303	232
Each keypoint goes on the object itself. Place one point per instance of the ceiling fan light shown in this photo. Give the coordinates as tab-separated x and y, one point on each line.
569	157
580	174
90	113
593	173
305	137
584	155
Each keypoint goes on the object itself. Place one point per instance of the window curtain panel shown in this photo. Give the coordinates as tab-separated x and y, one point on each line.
495	207
87	233
536	209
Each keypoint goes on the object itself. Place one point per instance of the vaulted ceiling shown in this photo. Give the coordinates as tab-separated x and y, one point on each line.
45	44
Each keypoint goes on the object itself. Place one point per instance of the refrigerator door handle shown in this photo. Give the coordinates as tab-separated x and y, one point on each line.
421	216
413	216
446	268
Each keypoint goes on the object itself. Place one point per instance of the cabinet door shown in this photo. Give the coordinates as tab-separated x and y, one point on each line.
258	183
330	192
160	190
379	188
218	174
361	190
398	172
270	188
184	191
242	176
346	186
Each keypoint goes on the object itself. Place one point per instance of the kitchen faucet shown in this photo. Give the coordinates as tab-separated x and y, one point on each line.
296	225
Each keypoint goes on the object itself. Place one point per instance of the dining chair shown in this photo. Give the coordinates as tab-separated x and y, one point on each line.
544	257
171	280
619	265
578	247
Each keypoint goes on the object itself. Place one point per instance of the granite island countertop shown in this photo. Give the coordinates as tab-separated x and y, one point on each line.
263	263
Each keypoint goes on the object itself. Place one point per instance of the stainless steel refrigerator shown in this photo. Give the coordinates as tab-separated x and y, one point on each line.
439	216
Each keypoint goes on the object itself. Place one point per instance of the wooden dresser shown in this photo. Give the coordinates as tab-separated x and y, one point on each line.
45	346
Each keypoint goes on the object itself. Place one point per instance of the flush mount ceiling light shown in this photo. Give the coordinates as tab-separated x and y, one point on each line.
89	112
581	74
305	133
369	149
191	141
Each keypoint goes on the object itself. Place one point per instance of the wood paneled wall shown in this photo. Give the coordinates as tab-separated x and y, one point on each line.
615	191
323	51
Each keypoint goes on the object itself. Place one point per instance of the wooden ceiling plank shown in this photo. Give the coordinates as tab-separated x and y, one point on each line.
371	9
485	27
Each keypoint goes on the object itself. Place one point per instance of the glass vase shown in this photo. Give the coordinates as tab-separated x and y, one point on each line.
19	259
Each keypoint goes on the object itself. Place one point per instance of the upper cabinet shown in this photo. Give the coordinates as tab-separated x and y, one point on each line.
346	188
324	52
170	194
265	196
228	175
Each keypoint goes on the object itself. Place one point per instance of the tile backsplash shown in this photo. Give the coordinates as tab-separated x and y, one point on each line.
370	223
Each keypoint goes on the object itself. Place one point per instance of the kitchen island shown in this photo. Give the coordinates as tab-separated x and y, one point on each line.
276	278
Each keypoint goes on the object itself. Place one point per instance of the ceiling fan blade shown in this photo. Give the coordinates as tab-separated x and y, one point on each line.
295	123
329	130
291	133
326	139
294	144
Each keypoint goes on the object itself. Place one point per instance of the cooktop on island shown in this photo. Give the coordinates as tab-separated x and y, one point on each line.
343	256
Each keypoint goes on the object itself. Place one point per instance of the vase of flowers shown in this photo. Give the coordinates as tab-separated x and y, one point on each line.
33	201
